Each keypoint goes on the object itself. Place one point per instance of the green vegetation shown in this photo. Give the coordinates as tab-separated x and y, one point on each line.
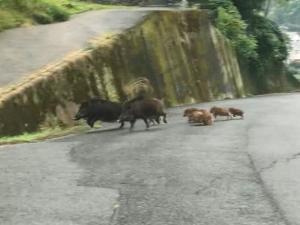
14	13
272	44
234	28
261	45
43	134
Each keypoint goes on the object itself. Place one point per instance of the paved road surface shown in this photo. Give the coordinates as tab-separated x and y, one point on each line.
240	172
25	50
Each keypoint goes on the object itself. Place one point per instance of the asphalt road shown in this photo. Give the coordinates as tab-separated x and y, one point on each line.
238	172
25	50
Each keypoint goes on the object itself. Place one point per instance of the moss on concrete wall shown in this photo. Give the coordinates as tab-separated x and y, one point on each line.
181	53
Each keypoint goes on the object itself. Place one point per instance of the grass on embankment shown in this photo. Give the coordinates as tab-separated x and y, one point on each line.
15	13
43	134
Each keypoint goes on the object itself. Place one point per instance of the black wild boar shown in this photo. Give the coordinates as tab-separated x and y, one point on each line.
142	108
98	109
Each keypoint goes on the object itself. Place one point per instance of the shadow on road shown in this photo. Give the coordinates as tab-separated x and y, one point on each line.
103	130
126	129
225	120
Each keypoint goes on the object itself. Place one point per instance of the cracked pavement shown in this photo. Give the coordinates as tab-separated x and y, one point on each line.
239	172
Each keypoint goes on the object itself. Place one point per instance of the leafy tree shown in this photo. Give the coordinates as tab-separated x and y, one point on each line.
246	8
257	39
234	28
271	41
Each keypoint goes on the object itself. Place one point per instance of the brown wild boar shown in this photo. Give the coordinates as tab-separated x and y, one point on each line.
142	108
218	111
203	117
189	111
236	112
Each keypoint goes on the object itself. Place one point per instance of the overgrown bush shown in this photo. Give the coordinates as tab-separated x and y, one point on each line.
272	44
57	13
261	46
42	18
9	19
229	22
16	12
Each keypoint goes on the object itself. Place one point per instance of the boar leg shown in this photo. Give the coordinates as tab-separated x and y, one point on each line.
165	118
122	125
146	122
132	122
152	121
91	122
157	119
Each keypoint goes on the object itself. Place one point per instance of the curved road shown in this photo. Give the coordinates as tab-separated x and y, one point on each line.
25	50
239	172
